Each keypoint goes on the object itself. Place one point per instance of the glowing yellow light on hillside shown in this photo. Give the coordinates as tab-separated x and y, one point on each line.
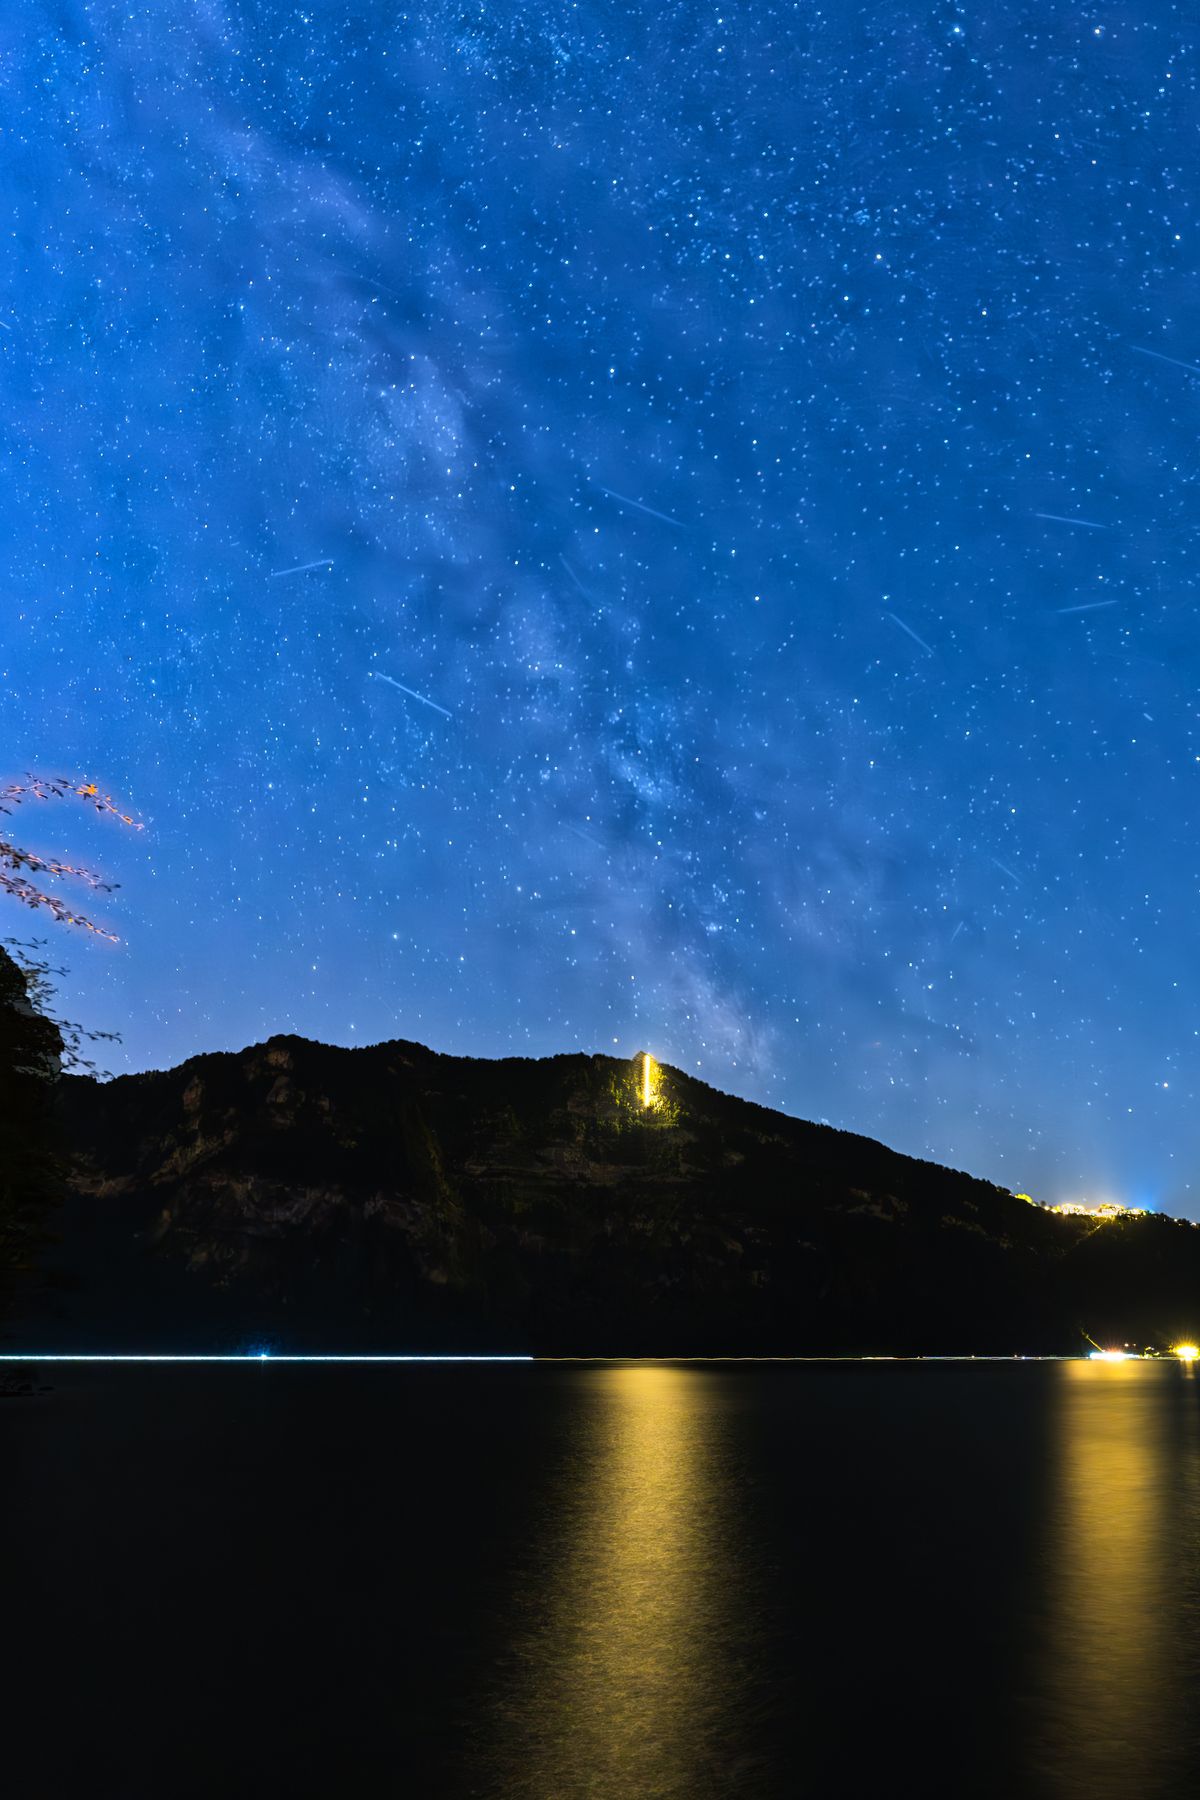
647	1079
1187	1352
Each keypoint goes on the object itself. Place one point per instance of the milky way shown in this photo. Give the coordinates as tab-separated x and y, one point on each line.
596	527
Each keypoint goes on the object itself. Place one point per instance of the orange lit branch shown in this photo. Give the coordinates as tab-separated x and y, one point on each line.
38	787
16	858
28	895
14	883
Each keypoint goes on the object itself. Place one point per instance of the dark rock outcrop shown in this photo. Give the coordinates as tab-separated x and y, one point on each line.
309	1196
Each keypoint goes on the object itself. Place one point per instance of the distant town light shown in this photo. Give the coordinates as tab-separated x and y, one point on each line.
1086	1209
1108	1356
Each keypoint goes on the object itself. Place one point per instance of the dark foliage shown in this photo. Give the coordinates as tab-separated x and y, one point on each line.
391	1196
31	1049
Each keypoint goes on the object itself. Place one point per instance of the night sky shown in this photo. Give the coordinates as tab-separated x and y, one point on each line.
601	527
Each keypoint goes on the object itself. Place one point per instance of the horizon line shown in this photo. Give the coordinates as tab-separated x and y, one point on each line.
285	1356
260	1356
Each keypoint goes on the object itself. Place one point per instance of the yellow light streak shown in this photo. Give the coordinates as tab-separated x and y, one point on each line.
1107	1642
1187	1352
647	1079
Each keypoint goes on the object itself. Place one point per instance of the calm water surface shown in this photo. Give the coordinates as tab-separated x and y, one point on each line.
605	1581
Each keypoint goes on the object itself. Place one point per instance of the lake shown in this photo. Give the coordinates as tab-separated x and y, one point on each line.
624	1580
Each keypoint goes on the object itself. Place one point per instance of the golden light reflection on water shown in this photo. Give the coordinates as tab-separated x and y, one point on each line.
623	1671
1122	1503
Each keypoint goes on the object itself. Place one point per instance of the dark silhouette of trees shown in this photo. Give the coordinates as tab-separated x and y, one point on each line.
35	1045
31	1051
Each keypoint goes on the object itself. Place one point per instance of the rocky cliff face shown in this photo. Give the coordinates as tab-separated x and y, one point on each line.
308	1196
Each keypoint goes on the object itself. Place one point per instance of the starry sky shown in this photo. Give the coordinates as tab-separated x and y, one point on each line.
581	526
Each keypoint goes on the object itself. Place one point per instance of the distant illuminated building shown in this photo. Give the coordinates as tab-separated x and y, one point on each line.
1084	1209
